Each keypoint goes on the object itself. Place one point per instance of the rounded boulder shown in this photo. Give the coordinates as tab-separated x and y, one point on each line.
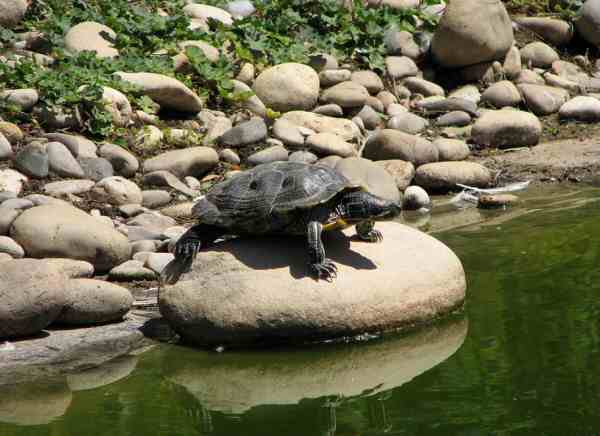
288	87
59	231
253	291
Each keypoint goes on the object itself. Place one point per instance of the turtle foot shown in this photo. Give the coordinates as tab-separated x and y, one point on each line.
187	248
326	270
372	236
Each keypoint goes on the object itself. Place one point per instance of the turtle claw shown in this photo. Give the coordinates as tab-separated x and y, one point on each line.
372	236
187	248
326	270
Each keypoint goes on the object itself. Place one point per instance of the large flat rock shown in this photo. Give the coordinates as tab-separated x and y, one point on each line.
249	291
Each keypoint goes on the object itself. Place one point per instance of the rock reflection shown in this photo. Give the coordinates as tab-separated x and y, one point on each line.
102	375
237	383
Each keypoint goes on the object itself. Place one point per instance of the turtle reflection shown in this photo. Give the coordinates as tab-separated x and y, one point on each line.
266	391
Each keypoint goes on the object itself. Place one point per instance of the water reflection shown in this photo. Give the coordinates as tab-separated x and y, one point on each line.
239	386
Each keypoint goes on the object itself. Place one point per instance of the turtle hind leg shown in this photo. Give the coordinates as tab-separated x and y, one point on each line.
319	264
366	232
186	249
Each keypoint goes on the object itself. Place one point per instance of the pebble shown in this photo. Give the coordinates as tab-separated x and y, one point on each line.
454	118
327	144
538	54
415	198
490	201
117	190
245	133
156	198
346	94
399	67
129	271
96	168
33	161
271	154
408	122
369	79
329	78
581	108
10	247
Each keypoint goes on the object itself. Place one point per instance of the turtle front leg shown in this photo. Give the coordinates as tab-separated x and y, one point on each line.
186	249
319	264
366	232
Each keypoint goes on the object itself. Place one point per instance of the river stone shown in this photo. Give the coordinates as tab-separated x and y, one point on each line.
556	32
6	151
67	232
157	261
373	177
424	87
415	198
321	123
270	154
588	22
96	168
152	221
165	178
62	162
332	110
11	132
369	116
12	12
538	55
246	133
33	160
204	12
581	108
329	78
346	94
155	198
303	156
287	87
512	63
132	270
10	247
117	190
17	203
229	156
326	144
443	176
542	99
24	98
501	94
63	188
507	128
393	144
531	77
492	201
166	91
483	33
450	104
70	268
288	133
7	217
454	118
402	171
401	43
31	297
368	79
91	36
399	67
11	181
408	122
77	145
90	302
451	149
192	161
411	277
467	92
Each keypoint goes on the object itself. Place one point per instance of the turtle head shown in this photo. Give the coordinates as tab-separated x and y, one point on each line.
361	205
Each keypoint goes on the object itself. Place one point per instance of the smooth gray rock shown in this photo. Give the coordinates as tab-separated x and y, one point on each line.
370	118
155	198
117	190
62	162
393	144
401	43
331	110
229	156
77	145
23	98
454	118
67	232
399	67
415	198
66	187
192	161
501	94
369	79
542	99
581	108
165	178
411	278
326	144
157	261
402	171
451	149
329	78
96	168
151	220
363	172
12	12
91	36
303	156
6	151
287	87
484	34
90	302
423	87
443	176
288	132
271	154
554	31
246	133
31	297
408	123
132	270
32	160
123	162
17	203
538	55
346	94
448	105
512	63
10	247
507	128
588	22
321	123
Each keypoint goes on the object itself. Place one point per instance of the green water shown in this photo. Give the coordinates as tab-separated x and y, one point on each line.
522	360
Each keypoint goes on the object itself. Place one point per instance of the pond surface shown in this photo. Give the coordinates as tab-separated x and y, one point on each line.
522	360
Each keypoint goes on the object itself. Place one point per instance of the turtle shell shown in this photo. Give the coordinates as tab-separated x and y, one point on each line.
254	198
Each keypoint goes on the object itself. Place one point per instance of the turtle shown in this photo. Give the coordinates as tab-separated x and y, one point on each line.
282	198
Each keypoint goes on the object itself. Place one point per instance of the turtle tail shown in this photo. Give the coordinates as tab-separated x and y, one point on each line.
176	268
